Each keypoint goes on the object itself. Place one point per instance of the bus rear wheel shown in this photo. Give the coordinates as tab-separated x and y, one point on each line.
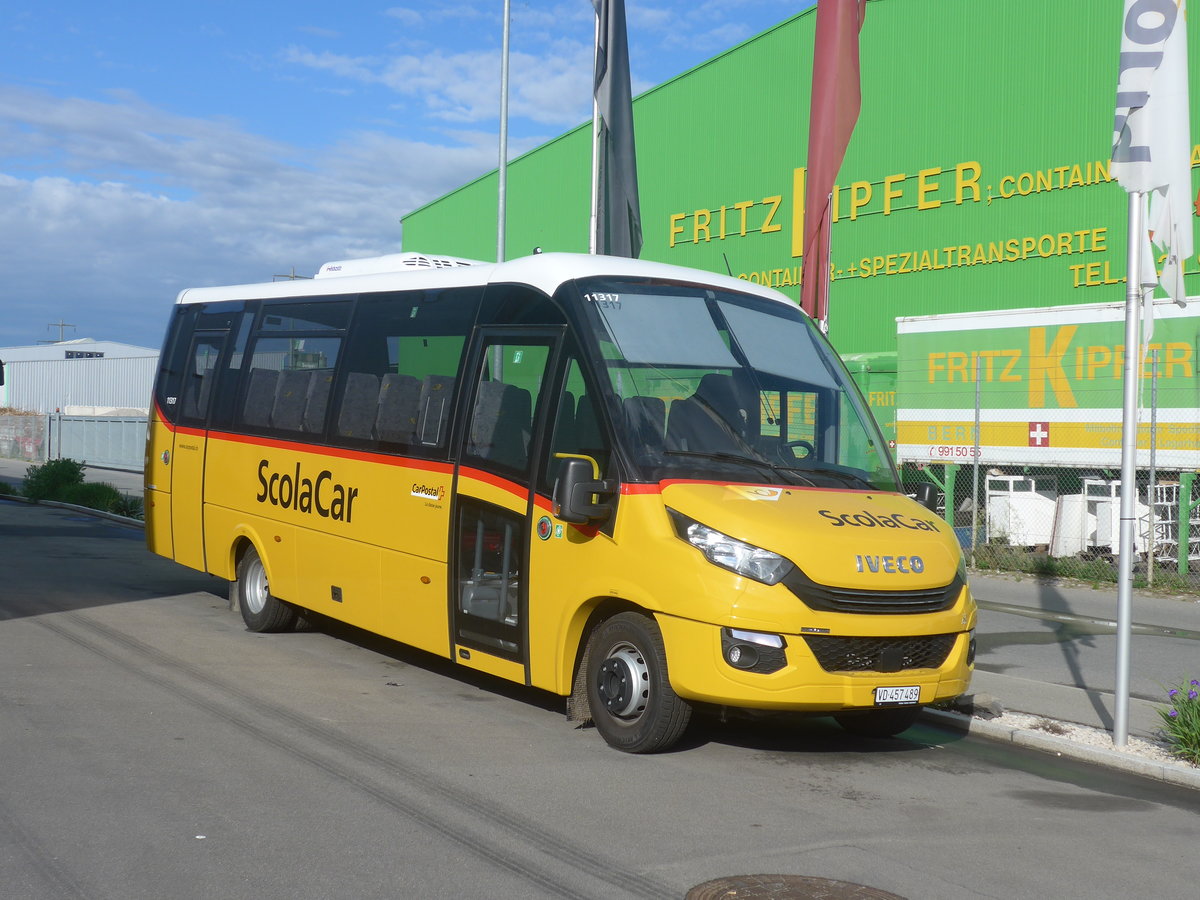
260	610
879	723
629	694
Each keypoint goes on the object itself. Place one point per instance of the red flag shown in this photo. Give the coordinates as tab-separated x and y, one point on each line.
834	110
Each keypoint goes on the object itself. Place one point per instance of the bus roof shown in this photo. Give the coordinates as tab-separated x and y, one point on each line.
408	271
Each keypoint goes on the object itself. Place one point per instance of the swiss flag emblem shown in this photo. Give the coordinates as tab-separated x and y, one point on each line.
1039	434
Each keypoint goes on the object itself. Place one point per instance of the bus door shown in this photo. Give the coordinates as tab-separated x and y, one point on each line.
490	536
187	453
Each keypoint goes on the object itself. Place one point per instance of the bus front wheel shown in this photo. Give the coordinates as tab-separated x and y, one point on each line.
260	610
629	694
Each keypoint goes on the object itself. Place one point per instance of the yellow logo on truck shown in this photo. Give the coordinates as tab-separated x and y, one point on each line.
321	495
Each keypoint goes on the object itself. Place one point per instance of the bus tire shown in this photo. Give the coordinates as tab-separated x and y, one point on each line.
629	694
879	723
261	611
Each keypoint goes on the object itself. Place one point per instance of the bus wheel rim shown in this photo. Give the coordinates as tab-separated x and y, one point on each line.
623	682
257	589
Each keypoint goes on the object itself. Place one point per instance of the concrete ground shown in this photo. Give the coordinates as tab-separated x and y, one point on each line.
1052	694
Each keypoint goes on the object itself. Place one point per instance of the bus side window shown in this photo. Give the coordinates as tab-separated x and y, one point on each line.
175	363
401	367
288	364
198	379
501	423
577	428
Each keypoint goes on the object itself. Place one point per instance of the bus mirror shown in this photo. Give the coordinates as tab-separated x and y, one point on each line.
575	490
926	495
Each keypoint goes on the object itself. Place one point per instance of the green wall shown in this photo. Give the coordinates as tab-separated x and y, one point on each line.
1006	106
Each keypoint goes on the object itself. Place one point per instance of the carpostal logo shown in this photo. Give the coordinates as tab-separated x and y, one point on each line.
427	492
866	519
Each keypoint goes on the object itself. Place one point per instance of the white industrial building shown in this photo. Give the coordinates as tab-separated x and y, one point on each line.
79	377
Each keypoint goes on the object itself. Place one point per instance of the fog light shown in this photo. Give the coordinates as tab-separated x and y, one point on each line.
753	651
971	650
742	656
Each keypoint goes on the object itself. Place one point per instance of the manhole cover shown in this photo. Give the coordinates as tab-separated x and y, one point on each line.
785	887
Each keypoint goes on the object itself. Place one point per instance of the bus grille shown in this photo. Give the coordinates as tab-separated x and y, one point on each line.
888	654
852	600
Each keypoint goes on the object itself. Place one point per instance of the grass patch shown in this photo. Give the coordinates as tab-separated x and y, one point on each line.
92	494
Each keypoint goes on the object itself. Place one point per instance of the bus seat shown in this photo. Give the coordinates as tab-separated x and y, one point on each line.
437	393
500	425
260	398
318	400
196	394
721	393
587	426
399	401
360	400
291	396
646	418
566	436
692	425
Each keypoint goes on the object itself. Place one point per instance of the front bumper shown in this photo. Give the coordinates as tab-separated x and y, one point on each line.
699	671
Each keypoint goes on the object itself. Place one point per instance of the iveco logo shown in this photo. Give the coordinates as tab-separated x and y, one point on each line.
909	565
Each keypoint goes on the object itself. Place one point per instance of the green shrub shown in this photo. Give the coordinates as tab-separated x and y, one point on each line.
6	488
92	494
130	507
50	479
1181	721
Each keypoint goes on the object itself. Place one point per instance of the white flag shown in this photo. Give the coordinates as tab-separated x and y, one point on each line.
1152	143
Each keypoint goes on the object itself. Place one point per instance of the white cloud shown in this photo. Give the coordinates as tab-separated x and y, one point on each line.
149	202
464	87
406	16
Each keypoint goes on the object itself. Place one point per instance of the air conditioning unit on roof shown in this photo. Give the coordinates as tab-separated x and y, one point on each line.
393	262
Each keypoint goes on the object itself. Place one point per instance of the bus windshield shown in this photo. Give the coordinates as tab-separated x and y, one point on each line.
715	384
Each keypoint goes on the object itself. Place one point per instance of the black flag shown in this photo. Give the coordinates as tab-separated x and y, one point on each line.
618	216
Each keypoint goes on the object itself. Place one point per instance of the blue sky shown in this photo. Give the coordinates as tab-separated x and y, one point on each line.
146	147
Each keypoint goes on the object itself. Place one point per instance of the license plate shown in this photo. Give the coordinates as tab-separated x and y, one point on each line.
897	696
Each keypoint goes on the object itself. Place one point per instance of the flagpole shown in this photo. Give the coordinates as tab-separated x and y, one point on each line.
593	238
1133	297
502	172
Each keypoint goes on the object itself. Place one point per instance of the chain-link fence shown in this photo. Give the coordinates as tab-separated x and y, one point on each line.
1067	522
1020	429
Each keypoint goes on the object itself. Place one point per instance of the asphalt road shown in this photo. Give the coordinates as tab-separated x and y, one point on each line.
1046	632
150	747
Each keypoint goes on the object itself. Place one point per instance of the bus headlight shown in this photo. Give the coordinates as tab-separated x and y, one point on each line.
730	553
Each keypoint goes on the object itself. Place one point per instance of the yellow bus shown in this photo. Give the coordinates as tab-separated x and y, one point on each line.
637	486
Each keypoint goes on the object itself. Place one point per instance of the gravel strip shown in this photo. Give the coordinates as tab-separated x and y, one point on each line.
1158	751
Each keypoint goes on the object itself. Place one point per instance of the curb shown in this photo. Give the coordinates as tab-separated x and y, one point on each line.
98	513
1180	774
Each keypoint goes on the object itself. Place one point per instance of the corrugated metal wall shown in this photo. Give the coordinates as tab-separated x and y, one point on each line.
119	442
48	385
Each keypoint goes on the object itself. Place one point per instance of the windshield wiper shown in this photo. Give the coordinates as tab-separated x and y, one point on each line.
845	478
788	474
